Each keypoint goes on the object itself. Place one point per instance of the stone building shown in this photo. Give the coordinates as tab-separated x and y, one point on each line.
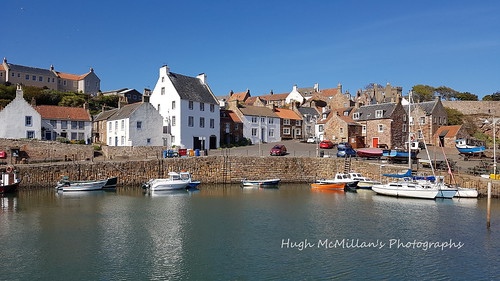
383	124
380	94
291	124
426	118
31	76
231	127
128	95
446	136
260	124
99	126
340	126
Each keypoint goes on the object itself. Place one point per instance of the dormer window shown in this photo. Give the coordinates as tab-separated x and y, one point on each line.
346	113
355	116
379	113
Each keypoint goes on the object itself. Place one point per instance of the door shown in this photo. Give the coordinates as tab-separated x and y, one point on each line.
374	142
116	141
48	135
213	142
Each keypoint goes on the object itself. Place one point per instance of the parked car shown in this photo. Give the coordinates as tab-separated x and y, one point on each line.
326	144
311	140
344	145
344	152
278	150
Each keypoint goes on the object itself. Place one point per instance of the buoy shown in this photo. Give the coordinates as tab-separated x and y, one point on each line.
9	169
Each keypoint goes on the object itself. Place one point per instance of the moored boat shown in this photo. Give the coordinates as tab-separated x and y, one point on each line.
260	183
67	185
9	180
405	189
111	183
463	192
363	182
173	182
327	185
369	152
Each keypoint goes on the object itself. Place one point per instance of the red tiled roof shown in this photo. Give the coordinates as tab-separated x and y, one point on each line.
452	130
329	92
275	96
63	112
251	100
1	67
287	114
238	96
233	116
71	76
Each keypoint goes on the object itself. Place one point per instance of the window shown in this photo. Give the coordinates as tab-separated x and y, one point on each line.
236	127
173	120
202	106
74	125
341	130
123	125
363	129
286	131
110	127
48	80
227	127
404	128
320	128
73	136
202	122
254	131
27	77
148	141
346	113
165	129
379	113
355	116
163	79
173	139
53	123
444	120
30	134
173	104
191	105
116	126
190	121
404	118
254	119
33	78
109	141
139	125
286	121
212	108
380	128
40	78
435	120
420	135
298	122
123	140
81	136
64	124
422	120
158	107
64	82
271	120
212	123
81	125
28	121
262	119
271	133
162	91
298	132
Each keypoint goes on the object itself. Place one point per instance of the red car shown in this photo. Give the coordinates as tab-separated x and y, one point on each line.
278	150
326	144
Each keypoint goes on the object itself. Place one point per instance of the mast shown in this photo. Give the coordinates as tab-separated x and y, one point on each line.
409	130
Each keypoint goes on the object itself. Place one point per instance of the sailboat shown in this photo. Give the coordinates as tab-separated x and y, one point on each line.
409	186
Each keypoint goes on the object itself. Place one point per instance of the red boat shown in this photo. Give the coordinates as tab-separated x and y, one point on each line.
369	152
9	180
328	185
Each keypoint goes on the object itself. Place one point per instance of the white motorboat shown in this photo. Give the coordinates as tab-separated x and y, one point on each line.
173	182
463	192
363	182
66	185
406	189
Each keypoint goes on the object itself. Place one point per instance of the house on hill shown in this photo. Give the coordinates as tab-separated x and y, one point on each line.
19	119
190	111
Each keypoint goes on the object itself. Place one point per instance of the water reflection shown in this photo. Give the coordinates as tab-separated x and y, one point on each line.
166	193
8	203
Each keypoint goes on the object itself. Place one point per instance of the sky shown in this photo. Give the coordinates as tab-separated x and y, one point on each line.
262	45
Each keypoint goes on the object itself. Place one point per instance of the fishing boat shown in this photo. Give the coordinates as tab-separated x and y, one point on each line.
465	146
111	183
340	181
328	185
363	182
66	185
369	152
9	180
260	183
173	182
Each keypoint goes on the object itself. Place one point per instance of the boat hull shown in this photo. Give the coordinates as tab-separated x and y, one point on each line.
405	192
111	183
166	184
466	193
82	186
9	188
446	193
367	153
260	183
328	186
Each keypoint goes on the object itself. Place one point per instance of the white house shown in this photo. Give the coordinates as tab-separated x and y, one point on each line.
137	124
189	109
294	95
73	123
19	119
260	124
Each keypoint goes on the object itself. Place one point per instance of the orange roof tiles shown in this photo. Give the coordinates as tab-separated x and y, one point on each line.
452	130
1	67
287	114
251	100
275	96
233	116
71	76
329	92
63	112
238	96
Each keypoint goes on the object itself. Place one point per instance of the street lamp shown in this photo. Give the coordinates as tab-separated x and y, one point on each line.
494	122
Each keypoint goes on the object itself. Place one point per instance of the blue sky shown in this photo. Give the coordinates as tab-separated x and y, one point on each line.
262	45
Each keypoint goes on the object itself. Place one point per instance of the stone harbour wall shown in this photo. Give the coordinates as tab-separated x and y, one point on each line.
216	170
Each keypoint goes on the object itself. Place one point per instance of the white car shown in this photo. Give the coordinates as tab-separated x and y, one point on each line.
311	140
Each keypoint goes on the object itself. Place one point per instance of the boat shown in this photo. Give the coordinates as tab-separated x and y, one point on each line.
173	182
66	185
9	181
363	182
465	146
405	189
340	181
111	183
260	183
369	152
463	192
328	186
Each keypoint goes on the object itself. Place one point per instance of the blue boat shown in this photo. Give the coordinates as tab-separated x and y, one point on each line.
465	146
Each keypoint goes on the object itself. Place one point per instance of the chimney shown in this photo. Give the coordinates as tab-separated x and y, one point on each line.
33	102
294	88
316	87
271	92
339	88
91	69
103	108
146	92
85	105
231	93
164	70
19	91
4	60
203	78
51	67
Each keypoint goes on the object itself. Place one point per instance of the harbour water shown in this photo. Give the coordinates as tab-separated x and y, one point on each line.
230	233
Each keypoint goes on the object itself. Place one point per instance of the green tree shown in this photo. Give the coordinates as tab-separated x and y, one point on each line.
465	96
72	101
492	97
455	117
446	93
423	93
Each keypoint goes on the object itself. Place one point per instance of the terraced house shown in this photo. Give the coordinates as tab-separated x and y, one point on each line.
31	76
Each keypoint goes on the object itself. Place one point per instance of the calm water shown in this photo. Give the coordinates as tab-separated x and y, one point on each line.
229	233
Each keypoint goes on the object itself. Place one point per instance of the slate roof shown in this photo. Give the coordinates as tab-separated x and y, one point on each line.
251	110
63	112
367	112
30	70
308	111
125	111
191	88
105	115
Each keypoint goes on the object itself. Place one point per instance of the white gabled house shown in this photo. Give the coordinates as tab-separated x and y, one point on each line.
189	109
137	124
72	123
20	120
260	124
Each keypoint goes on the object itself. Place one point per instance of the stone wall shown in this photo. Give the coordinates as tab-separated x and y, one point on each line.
133	152
44	151
474	107
215	170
